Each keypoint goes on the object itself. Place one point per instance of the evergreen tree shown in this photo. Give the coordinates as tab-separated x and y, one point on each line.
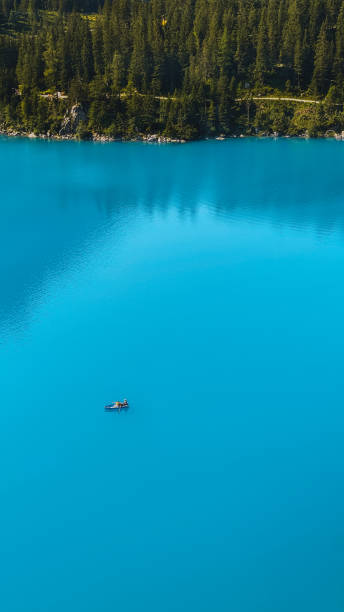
262	59
322	62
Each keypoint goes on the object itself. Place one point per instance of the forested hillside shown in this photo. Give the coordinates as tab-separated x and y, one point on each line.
181	68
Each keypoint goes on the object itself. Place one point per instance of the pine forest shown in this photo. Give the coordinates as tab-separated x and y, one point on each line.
182	69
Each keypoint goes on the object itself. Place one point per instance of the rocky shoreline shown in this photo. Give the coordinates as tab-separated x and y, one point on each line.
153	138
75	118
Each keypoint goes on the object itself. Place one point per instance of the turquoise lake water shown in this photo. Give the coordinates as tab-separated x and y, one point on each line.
205	283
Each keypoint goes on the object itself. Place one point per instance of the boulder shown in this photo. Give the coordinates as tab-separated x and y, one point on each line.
73	117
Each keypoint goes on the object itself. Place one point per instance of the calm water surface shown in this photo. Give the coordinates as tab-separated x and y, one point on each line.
205	283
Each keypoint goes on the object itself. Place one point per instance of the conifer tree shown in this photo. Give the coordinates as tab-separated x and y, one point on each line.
262	59
322	62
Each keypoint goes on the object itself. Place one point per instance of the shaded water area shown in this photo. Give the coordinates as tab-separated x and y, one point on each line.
205	283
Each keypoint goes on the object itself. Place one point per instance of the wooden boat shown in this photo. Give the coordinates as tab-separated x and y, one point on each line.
117	406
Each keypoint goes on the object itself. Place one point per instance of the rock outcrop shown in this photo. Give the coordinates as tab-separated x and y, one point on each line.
73	117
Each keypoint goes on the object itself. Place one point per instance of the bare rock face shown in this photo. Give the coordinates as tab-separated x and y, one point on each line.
71	120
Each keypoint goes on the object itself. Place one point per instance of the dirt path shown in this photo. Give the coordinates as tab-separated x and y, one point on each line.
288	99
279	99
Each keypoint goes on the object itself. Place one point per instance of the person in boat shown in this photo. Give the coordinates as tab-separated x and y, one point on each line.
118	405
123	404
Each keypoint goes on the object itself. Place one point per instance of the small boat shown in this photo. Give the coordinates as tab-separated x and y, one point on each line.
117	406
